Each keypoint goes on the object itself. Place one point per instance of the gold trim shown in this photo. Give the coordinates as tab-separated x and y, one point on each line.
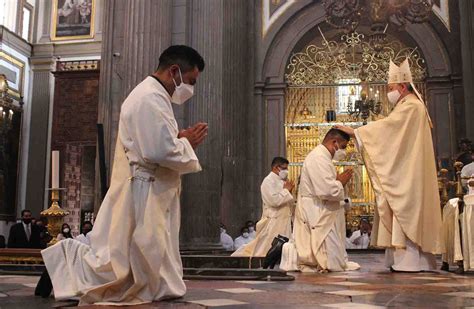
54	20
12	59
21	66
350	56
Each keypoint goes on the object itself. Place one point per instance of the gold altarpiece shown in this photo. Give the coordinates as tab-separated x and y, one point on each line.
325	78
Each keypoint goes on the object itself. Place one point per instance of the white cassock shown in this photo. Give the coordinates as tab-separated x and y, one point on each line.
226	241
133	255
404	254
451	232
276	217
467	227
359	241
320	227
241	241
467	171
85	239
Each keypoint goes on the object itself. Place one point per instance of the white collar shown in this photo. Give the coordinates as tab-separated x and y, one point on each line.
156	84
324	151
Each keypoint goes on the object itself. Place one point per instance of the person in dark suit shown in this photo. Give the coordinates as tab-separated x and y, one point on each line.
24	234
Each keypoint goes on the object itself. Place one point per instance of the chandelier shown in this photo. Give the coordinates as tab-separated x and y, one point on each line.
365	106
347	14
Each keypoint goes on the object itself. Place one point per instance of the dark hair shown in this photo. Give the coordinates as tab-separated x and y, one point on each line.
68	234
244	228
249	222
25	210
186	57
87	222
279	161
336	133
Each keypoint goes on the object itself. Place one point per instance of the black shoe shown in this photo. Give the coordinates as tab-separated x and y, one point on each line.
445	266
274	254
44	286
459	271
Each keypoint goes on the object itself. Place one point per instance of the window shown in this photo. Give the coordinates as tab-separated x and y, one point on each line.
26	26
348	91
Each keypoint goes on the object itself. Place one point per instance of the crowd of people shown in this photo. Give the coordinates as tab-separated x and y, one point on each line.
31	233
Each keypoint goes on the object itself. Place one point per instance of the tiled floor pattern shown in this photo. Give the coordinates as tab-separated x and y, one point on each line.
371	287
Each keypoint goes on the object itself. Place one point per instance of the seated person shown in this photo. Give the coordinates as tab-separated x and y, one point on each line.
251	226
65	232
226	240
360	239
86	228
243	239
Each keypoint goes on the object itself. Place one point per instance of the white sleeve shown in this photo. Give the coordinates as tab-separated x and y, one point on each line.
155	134
358	140
273	196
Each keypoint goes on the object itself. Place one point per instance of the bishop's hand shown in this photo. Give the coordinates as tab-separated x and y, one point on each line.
345	129
195	134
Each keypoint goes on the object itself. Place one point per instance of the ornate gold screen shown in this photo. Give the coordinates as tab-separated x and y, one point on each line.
314	77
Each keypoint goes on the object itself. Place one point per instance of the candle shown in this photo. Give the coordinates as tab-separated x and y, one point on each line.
55	170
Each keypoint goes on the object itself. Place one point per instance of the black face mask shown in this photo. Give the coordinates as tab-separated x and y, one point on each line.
27	221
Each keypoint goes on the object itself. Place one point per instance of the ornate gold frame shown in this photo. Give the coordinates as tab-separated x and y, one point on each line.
54	20
21	66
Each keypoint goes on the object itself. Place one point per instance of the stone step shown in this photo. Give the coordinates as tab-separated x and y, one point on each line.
189	273
221	261
236	274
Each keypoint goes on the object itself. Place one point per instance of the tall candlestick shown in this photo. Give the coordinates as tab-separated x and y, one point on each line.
55	170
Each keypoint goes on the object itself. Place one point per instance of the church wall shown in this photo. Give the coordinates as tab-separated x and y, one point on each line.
16	47
467	44
74	133
46	52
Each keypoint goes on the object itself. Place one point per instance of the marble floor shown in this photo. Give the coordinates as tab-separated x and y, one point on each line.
371	287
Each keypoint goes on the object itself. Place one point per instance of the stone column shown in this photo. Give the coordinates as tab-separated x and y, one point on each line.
218	31
467	44
135	34
39	129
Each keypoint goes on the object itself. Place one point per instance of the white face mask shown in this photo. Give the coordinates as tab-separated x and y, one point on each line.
339	155
245	235
251	229
393	96
283	174
183	92
222	230
66	230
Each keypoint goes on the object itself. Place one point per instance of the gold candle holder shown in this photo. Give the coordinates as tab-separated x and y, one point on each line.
459	191
55	215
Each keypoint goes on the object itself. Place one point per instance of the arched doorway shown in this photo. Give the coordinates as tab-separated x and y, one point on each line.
291	35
